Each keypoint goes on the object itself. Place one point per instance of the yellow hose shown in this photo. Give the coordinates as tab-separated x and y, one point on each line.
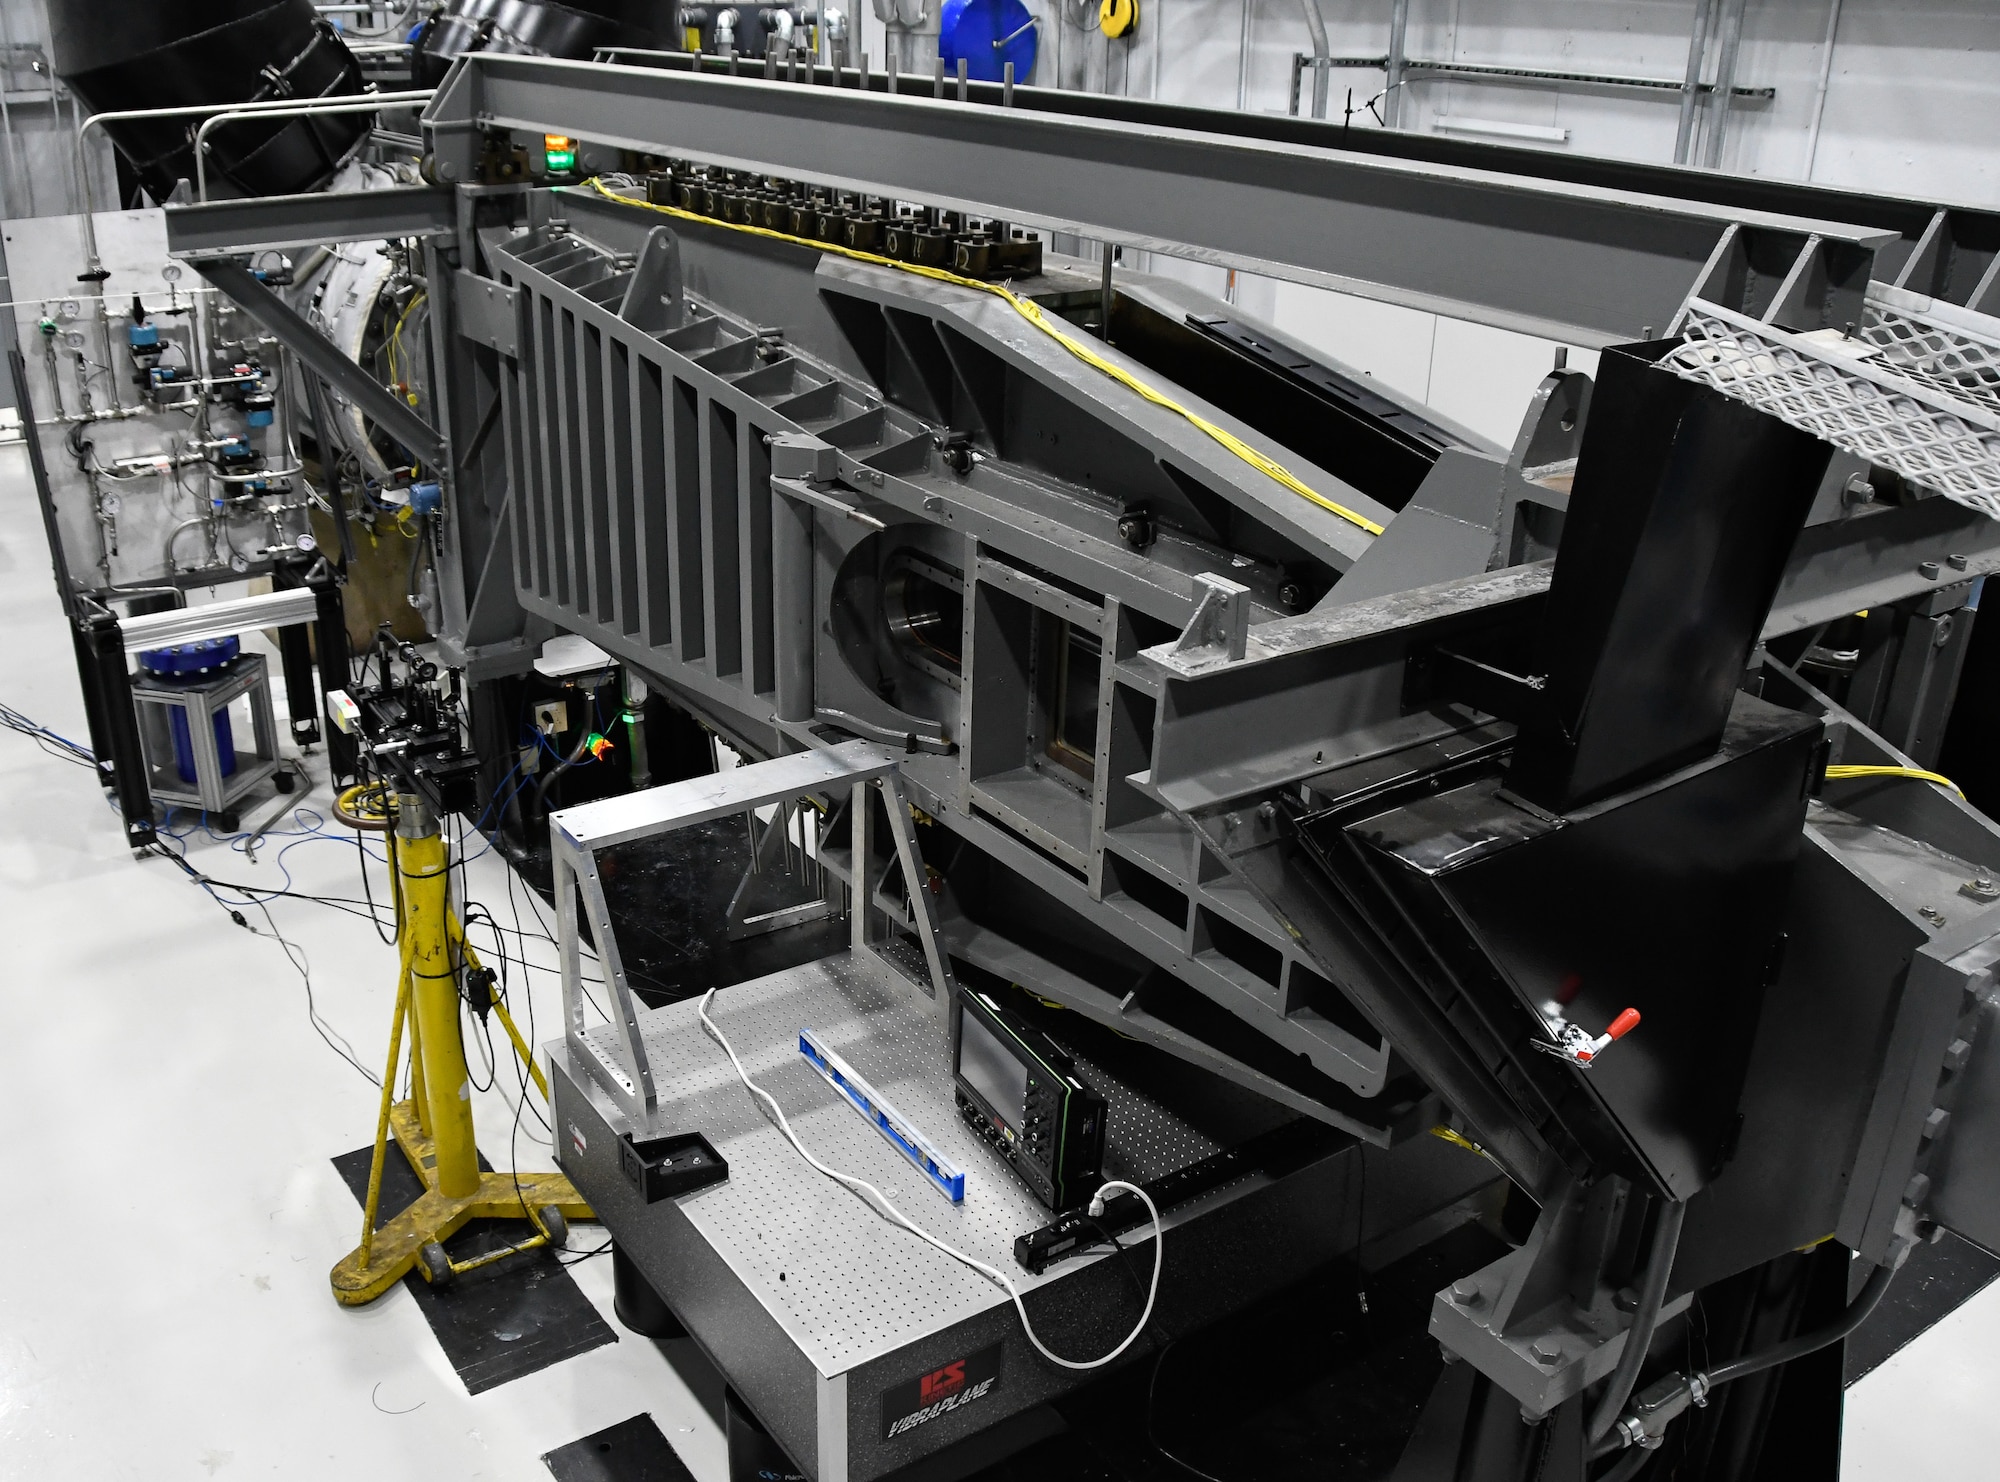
1032	312
1844	773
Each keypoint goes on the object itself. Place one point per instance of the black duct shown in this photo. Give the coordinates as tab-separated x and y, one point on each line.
125	54
539	28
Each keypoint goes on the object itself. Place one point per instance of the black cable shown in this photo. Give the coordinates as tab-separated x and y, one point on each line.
389	938
1152	1435
1361	1227
1124	1254
297	957
1856	1314
1645	1318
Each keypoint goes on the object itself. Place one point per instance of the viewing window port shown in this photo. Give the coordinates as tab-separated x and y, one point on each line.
925	606
1068	663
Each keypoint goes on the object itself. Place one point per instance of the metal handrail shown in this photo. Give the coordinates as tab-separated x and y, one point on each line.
194	110
371	104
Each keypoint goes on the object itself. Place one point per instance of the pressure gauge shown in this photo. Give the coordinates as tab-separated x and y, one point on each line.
307	544
111	504
70	309
171	273
239	563
74	339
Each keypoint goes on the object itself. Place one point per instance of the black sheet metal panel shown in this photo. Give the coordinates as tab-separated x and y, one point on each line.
1667	899
633	1450
1685	507
1816	1054
501	1322
125	54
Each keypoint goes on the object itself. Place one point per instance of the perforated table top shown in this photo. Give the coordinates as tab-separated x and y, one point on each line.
845	1283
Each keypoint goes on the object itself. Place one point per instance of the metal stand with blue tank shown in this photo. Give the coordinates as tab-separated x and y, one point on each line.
195	753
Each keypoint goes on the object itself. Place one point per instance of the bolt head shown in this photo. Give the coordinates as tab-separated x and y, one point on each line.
1928	570
1545	1350
1465	1292
1957	562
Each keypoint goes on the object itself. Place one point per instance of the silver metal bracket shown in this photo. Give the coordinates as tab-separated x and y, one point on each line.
579	835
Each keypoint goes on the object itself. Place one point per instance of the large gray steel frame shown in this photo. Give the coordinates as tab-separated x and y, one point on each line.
707	588
1579	264
714	588
637	471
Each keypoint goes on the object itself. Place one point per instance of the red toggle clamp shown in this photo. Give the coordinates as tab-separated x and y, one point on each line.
1576	1045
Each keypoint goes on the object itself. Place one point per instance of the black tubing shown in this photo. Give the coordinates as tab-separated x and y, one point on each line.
1628	1467
548	781
1652	1297
1783	1353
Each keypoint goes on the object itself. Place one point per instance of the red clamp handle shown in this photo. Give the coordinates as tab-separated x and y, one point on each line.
1623	1025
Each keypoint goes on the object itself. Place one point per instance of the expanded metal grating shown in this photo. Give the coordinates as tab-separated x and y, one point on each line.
1911	394
1940	344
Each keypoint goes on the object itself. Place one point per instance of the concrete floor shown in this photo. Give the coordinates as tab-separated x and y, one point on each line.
171	1113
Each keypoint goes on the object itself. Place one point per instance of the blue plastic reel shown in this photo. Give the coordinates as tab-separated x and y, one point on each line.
968	29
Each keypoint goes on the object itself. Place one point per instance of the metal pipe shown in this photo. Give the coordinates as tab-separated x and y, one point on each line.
1825	78
1392	91
1322	56
1243	61
14	144
1725	79
1691	87
1159	39
238	115
1104	296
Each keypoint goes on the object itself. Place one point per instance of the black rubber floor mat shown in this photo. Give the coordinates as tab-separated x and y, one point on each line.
631	1451
1934	1283
513	1318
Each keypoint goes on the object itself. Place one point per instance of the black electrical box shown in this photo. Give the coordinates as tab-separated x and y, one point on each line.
1022	1094
667	1167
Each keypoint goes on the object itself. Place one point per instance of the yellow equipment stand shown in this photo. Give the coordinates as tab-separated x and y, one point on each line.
434	1127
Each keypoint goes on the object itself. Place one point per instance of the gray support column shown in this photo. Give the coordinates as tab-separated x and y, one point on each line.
1691	88
1392	98
792	600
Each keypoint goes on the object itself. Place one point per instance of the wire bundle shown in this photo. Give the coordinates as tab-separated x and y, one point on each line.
58	746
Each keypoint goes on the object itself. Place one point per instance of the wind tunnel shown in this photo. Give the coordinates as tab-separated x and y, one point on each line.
538	28
130	54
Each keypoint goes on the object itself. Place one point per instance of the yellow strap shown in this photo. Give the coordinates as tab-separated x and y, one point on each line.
1843	773
1458	1140
1032	312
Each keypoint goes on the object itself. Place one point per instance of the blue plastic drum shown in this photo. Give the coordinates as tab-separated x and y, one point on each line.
969	29
194	663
